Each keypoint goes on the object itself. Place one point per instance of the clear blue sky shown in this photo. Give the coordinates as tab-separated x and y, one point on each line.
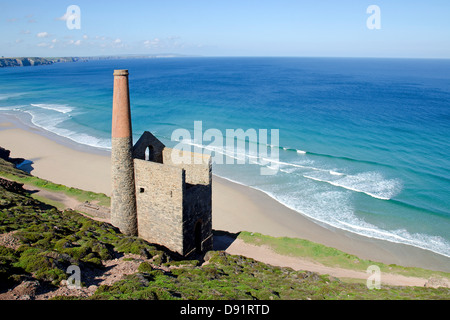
417	29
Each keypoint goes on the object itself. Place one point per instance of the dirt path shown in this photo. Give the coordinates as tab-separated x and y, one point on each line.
61	197
267	255
114	271
65	200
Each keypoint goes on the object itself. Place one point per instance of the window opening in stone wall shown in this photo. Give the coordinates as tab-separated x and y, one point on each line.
149	156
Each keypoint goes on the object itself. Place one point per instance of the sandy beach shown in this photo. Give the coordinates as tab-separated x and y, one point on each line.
235	207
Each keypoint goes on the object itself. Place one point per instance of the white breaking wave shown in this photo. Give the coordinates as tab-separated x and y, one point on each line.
240	155
51	118
6	96
336	173
12	108
293	149
370	183
62	108
334	208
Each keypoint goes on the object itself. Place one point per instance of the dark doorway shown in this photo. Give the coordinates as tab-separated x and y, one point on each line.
198	237
149	154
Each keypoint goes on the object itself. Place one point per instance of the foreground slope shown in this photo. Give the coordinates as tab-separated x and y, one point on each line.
38	243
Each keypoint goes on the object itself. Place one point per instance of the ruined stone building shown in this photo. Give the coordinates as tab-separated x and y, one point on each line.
152	197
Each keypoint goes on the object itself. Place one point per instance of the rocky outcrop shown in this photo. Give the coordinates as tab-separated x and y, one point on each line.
94	210
436	282
12	186
22	62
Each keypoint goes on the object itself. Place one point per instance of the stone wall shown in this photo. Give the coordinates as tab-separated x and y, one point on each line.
197	209
197	166
197	206
169	208
159	198
123	198
148	140
165	203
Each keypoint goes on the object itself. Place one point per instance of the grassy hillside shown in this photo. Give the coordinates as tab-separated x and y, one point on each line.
44	242
331	257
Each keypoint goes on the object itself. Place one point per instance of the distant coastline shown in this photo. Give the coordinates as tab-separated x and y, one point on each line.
38	61
34	61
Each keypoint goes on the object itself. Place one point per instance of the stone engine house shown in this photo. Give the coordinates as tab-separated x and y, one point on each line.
153	197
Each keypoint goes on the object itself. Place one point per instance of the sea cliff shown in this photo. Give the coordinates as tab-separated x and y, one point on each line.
37	61
33	61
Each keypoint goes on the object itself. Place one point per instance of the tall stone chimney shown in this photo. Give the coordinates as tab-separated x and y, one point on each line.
123	195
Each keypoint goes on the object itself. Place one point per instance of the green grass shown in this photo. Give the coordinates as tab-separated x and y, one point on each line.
231	277
51	240
329	256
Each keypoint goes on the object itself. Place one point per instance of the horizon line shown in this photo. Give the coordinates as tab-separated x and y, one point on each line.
177	55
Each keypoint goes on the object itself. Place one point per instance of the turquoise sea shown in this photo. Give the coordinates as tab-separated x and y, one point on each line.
363	143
